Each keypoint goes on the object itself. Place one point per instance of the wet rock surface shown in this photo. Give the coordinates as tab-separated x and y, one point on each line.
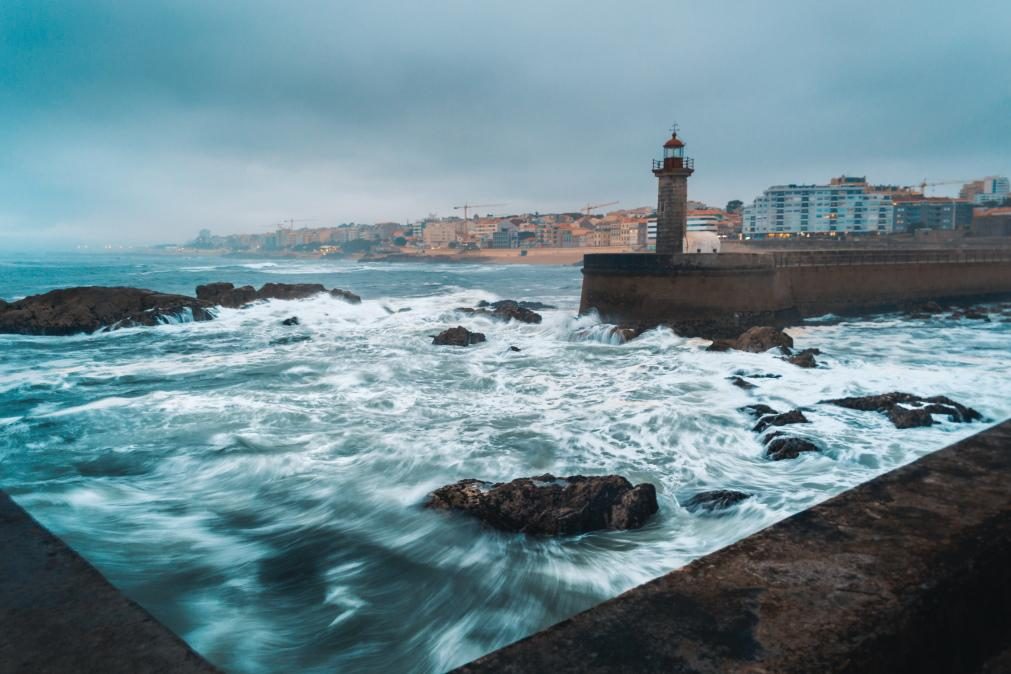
458	336
755	340
906	410
779	446
227	295
524	304
550	505
290	321
784	419
804	358
715	500
742	383
506	310
88	309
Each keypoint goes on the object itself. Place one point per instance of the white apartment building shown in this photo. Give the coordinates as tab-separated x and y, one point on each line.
845	205
995	188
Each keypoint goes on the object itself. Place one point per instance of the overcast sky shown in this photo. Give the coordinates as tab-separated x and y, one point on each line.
145	121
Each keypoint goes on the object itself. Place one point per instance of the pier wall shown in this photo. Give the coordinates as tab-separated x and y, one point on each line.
910	572
723	294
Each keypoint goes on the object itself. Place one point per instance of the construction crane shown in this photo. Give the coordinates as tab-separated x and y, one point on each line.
588	208
467	207
289	224
924	184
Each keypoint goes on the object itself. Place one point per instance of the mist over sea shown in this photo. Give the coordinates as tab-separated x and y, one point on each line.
257	487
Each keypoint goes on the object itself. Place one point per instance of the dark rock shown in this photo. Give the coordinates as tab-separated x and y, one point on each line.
931	308
549	505
290	321
742	383
788	447
887	402
784	419
73	310
906	417
757	375
505	310
755	340
758	410
458	336
719	499
227	295
515	348
628	333
804	358
976	315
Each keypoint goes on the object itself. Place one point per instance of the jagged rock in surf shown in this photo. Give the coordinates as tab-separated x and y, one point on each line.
906	410
227	295
755	340
458	336
758	410
515	348
290	321
505	310
718	499
742	383
804	358
780	447
784	419
87	309
551	505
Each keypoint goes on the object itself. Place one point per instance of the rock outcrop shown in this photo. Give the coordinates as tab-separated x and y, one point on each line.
458	336
906	410
804	358
742	383
784	419
227	295
551	505
718	499
755	340
293	320
87	309
505	310
779	446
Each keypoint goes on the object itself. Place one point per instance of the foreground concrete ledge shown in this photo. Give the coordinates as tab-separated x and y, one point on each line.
910	572
59	614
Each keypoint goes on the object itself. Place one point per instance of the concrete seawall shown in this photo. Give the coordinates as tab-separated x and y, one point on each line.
59	614
722	295
910	572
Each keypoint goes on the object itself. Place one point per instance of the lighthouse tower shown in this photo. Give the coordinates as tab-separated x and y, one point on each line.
672	196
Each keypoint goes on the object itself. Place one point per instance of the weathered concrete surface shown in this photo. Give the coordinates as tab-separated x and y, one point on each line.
723	295
58	614
910	572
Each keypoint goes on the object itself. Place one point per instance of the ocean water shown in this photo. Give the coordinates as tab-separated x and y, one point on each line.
257	487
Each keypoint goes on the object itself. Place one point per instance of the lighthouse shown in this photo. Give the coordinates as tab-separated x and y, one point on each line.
672	195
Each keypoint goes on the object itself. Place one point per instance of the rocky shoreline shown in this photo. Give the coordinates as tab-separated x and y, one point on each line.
89	309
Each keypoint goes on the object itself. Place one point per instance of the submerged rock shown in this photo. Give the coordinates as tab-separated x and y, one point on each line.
784	419
719	499
505	310
755	340
804	358
522	303
458	336
74	310
780	447
896	406
758	410
742	383
551	505
227	295
515	348
290	321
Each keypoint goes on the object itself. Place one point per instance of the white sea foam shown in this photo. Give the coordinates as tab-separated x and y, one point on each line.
264	480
